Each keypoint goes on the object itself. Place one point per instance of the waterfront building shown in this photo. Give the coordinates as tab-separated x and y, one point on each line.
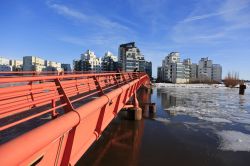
148	68
130	58
175	71
88	62
217	73
4	61
205	69
187	69
172	70
109	62
66	67
17	65
194	72
5	64
159	74
33	63
53	66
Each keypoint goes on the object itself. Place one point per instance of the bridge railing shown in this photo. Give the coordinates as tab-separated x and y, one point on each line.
19	94
80	106
46	73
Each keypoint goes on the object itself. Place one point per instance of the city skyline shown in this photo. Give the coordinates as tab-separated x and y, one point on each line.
59	31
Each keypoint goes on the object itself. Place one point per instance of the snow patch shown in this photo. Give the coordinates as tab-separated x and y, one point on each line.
163	120
234	141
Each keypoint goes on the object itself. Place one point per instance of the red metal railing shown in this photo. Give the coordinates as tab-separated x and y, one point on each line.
79	107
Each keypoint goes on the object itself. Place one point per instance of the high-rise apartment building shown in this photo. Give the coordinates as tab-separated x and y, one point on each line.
174	71
66	67
53	66
32	63
5	64
130	58
217	73
88	62
194	72
148	68
205	69
17	65
109	62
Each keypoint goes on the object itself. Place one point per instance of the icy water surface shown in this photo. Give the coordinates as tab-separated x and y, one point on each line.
193	125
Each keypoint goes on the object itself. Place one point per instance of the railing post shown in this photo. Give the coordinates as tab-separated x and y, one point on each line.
98	86
117	83
31	94
123	77
64	98
53	105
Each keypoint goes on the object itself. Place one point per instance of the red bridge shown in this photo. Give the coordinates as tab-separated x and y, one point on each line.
48	119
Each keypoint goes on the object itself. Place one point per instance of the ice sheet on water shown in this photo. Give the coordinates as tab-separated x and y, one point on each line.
234	141
213	104
217	120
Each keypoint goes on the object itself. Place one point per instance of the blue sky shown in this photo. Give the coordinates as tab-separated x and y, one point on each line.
60	30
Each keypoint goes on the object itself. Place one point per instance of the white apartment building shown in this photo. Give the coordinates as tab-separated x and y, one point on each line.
109	62
5	64
88	62
130	58
194	72
205	69
175	71
16	64
217	72
53	66
187	69
4	61
32	63
168	67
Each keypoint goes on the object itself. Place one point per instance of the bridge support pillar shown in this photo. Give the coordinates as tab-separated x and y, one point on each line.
152	108
135	112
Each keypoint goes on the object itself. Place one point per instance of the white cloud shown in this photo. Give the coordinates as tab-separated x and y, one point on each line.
64	10
214	24
96	19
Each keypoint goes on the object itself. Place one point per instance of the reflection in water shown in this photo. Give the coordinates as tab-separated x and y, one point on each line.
163	139
120	142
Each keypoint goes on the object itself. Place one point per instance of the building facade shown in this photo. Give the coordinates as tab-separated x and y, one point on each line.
175	71
88	62
130	58
194	72
109	62
217	73
205	69
53	66
33	63
148	68
5	64
172	70
17	65
66	67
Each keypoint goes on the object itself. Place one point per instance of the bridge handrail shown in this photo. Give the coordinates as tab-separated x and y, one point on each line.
37	91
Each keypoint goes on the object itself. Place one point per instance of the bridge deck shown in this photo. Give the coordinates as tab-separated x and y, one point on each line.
77	108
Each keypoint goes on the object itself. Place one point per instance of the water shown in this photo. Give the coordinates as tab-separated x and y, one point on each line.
192	126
